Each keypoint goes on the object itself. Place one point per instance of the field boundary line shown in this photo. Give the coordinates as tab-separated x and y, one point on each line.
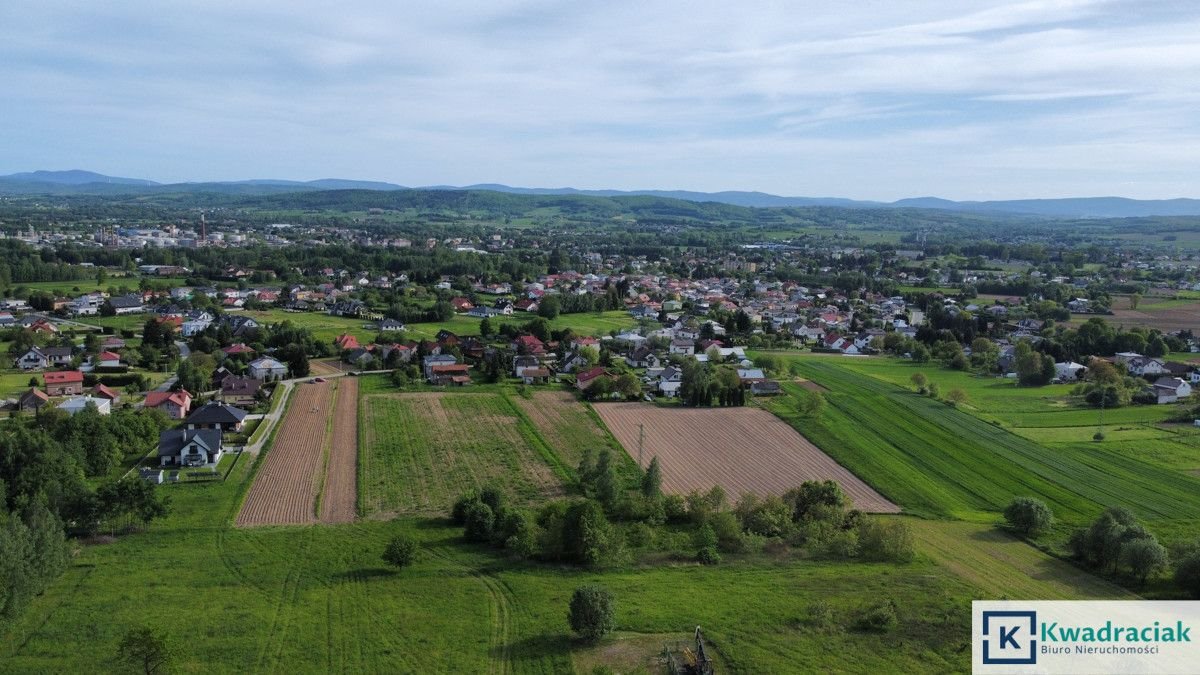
260	456
326	450
528	429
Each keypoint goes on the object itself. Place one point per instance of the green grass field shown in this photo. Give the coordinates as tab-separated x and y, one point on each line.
319	599
74	288
326	327
421	451
1004	567
938	461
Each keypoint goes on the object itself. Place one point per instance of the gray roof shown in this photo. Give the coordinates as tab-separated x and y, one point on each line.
216	412
170	441
125	301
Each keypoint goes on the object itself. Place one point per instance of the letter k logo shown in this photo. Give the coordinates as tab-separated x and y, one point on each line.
1008	637
1016	633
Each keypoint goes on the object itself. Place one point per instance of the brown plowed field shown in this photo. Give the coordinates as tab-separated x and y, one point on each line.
338	499
741	449
285	490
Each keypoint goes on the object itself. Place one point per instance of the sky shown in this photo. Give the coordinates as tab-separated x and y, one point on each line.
865	99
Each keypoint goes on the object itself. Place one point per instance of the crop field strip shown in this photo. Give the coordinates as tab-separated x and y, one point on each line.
564	424
741	449
340	492
420	451
285	490
933	459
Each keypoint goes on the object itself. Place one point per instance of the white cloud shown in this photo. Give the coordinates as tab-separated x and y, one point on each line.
903	99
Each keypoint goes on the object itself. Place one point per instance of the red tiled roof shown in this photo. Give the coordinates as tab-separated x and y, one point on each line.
157	398
590	374
63	377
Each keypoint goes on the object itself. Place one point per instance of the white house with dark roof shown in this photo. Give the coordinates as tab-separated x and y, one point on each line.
190	447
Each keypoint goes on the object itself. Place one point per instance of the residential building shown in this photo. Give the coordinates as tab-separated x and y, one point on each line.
64	383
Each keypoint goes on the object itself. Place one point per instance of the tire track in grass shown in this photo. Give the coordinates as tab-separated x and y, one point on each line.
272	647
501	608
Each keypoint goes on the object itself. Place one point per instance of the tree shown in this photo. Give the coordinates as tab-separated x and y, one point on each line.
920	353
485	327
1028	516
401	551
628	385
1187	572
919	381
146	650
706	545
1031	366
1134	299
592	613
810	403
652	480
588	537
984	354
549	307
604	481
813	494
478	521
956	397
1143	557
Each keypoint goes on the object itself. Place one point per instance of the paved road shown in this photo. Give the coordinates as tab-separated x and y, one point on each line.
166	386
184	350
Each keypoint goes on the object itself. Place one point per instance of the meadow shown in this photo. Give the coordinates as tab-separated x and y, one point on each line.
318	598
935	460
326	327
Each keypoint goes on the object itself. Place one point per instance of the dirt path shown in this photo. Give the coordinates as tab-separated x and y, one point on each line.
338	501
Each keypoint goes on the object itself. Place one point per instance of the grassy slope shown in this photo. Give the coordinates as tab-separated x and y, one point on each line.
935	460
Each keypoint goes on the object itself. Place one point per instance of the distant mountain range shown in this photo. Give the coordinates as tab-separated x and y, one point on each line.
78	182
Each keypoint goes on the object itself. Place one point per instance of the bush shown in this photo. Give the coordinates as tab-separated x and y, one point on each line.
890	540
843	544
813	494
458	513
729	532
821	615
708	556
1144	557
592	612
640	535
880	617
1187	573
770	517
401	551
478	522
675	508
1028	516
